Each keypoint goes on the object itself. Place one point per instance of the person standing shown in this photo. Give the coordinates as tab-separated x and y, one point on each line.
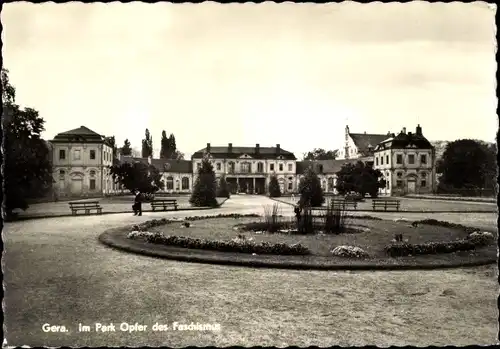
138	204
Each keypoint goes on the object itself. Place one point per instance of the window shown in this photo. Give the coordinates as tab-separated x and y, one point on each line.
76	154
62	154
423	183
290	183
271	167
423	159
399	159
381	160
376	161
218	166
399	184
290	167
387	159
170	182
424	175
399	174
246	167
198	165
330	184
281	167
411	159
320	168
92	184
185	183
260	167
62	173
92	173
177	185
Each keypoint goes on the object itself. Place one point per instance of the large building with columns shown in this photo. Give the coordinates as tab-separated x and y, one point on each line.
81	161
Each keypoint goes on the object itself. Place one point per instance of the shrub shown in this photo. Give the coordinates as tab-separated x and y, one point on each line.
470	243
223	188
272	218
445	224
235	245
334	219
274	187
311	193
205	186
349	252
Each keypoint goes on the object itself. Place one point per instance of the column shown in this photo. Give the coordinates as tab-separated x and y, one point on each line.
253	185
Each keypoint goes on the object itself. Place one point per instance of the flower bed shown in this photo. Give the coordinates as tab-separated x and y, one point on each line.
471	242
349	252
236	245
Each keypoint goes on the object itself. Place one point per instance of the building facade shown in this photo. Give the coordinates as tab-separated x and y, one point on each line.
81	161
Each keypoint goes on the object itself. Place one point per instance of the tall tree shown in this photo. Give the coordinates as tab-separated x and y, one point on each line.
359	178
205	186
147	145
126	150
137	176
274	187
468	164
320	154
172	147
311	193
165	145
27	168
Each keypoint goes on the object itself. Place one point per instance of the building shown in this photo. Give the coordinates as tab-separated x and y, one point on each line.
249	169
81	161
407	161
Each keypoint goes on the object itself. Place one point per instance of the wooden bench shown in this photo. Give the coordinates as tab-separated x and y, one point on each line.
385	204
163	203
343	204
86	206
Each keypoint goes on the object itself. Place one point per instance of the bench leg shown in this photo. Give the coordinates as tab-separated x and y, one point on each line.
176	207
87	211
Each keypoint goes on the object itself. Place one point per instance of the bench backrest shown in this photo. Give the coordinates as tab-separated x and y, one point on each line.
170	201
86	203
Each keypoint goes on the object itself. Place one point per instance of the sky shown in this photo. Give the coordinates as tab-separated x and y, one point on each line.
293	74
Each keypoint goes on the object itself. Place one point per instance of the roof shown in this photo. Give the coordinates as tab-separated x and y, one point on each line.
172	165
81	134
131	159
264	153
364	141
329	166
403	140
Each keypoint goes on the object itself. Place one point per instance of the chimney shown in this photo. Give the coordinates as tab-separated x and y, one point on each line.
409	134
208	147
388	133
404	129
257	148
365	132
278	149
419	130
230	148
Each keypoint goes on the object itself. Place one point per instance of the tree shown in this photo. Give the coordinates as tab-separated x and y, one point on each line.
205	186
274	187
137	176
311	193
320	154
172	146
147	145
165	145
223	188
468	164
27	171
126	149
359	178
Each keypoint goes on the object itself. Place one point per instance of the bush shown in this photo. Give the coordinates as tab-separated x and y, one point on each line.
272	218
349	252
205	186
223	188
334	220
470	243
274	187
445	224
311	193
236	245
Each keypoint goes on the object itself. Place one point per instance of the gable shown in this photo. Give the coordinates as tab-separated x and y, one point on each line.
245	156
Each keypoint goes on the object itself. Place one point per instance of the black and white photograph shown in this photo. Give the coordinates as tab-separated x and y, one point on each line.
255	174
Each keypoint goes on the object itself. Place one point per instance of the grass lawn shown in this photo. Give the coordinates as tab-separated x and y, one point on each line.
373	241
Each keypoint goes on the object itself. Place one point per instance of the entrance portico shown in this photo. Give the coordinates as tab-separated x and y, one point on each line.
249	185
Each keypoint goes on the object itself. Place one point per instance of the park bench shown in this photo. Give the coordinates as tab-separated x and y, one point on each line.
385	204
344	204
86	206
164	203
